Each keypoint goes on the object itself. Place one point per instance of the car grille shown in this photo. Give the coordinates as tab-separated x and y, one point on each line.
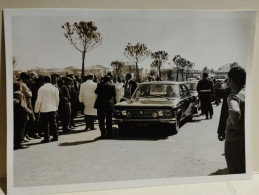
142	113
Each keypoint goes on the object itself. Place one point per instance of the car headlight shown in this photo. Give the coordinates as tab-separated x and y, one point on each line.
154	115
124	113
117	112
160	113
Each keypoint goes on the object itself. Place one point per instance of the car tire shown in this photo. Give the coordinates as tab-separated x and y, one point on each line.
174	128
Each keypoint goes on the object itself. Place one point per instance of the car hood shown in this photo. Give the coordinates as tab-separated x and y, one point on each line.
148	102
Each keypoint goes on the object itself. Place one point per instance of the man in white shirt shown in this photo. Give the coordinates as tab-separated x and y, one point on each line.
87	96
47	105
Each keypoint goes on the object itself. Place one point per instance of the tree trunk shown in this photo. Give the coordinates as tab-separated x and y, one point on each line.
177	74
137	73
83	66
159	73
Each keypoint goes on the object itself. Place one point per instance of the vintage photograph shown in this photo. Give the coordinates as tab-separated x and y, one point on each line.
102	99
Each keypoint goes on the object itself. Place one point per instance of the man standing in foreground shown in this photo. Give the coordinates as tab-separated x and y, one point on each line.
87	96
205	90
235	128
47	104
106	98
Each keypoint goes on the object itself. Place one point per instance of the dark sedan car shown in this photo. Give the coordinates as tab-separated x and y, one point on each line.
160	102
192	86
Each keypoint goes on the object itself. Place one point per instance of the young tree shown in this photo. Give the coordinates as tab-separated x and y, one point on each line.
159	58
83	36
190	66
117	65
176	60
170	74
136	54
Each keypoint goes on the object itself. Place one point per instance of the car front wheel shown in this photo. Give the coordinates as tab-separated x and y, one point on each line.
174	128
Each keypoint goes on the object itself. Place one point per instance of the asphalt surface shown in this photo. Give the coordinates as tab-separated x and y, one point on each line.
142	153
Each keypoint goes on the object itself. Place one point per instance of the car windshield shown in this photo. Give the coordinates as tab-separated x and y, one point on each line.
157	90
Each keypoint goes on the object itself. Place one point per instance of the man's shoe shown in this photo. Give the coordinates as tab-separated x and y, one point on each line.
45	141
54	139
20	147
86	128
93	128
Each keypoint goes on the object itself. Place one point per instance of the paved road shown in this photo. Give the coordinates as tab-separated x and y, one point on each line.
141	154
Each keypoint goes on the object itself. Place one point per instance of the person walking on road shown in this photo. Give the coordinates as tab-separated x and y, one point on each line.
47	104
106	98
205	90
235	127
87	96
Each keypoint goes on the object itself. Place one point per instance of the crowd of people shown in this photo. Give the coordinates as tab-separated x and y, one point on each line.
43	103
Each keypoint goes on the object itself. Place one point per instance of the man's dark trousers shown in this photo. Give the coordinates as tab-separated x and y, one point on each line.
102	114
49	123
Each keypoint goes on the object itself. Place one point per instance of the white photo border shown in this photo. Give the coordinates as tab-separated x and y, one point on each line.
8	14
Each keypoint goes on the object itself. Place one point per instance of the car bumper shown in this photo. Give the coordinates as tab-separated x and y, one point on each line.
146	121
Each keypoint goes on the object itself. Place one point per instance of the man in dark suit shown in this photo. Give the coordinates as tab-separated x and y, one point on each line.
106	98
130	86
205	90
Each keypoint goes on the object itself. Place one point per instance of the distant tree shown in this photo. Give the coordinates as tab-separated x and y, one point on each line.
170	74
212	71
136	54
14	61
117	65
190	66
176	60
83	36
233	64
152	72
205	69
159	58
181	65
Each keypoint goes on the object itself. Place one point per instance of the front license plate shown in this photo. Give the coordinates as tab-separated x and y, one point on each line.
142	124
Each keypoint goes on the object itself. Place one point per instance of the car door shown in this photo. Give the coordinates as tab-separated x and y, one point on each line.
187	100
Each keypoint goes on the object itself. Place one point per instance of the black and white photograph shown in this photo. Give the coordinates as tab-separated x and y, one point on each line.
107	99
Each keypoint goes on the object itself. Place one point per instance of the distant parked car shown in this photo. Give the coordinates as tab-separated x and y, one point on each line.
192	86
220	88
157	102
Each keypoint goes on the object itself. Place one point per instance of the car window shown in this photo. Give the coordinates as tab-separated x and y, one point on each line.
185	91
157	90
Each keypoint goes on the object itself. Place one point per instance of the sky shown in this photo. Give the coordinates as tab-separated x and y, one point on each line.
206	38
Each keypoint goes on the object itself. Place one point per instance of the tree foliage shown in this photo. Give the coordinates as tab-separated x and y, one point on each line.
205	69
117	65
159	58
136	54
83	36
183	66
233	64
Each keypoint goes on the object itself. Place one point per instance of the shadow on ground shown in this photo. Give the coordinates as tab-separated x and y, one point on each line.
220	172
